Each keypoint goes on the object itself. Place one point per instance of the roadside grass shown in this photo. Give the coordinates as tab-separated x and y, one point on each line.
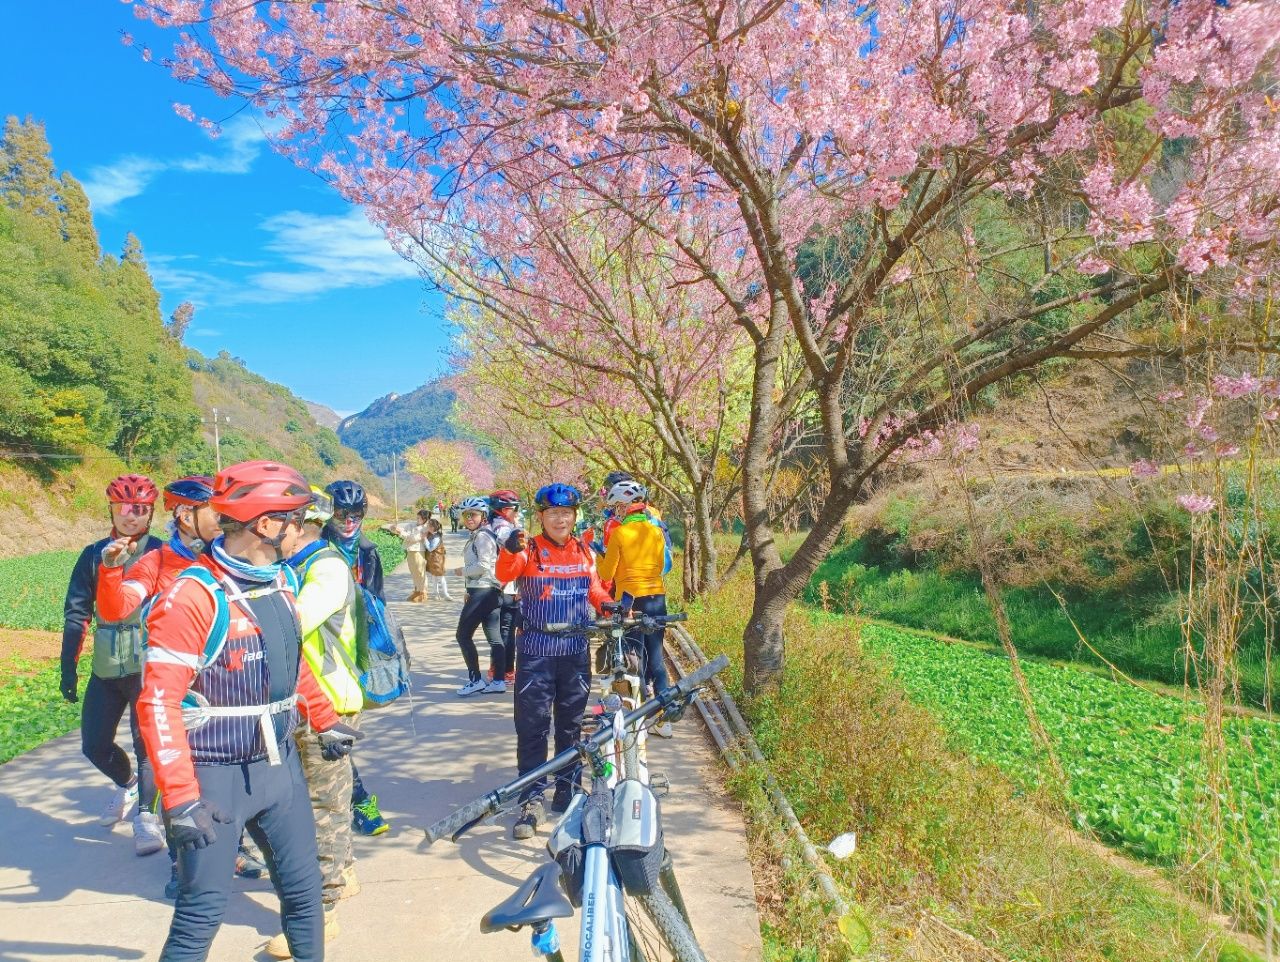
951	863
390	548
32	589
31	709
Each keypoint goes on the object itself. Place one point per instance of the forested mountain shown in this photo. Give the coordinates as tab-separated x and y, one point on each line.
393	423
88	368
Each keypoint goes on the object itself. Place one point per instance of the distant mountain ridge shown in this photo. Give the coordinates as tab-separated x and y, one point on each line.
326	417
398	421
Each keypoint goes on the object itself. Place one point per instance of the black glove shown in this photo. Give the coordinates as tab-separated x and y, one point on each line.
337	742
191	826
69	683
515	541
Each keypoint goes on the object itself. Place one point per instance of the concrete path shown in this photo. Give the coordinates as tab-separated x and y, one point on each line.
70	889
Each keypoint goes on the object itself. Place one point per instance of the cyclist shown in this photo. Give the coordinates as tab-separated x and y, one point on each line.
505	507
192	525
635	561
230	761
599	540
345	532
117	658
558	584
327	614
482	600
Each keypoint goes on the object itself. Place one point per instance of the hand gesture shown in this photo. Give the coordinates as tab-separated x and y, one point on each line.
117	552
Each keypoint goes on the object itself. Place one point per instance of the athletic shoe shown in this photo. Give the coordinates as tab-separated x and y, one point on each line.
496	687
663	730
367	819
171	889
278	947
561	799
350	884
122	799
249	865
531	813
148	834
472	687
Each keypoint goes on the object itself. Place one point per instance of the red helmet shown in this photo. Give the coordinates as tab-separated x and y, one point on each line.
504	498
193	490
251	489
132	489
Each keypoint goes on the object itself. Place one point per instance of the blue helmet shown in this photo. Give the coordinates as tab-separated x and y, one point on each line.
347	496
557	496
193	490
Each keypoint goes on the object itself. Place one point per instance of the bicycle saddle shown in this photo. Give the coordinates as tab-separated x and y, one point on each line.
538	899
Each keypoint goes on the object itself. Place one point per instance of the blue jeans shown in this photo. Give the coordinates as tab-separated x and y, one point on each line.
649	644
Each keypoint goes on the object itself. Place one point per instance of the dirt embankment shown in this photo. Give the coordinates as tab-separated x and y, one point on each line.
46	510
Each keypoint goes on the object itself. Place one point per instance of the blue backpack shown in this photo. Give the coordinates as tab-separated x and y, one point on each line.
382	655
666	540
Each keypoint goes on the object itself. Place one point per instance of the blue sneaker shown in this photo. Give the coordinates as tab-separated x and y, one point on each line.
367	819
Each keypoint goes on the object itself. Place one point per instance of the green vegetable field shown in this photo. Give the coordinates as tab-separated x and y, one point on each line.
1133	758
32	589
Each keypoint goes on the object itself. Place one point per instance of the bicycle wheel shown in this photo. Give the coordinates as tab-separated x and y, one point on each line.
657	931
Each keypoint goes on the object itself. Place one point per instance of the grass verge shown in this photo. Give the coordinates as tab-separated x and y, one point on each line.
31	710
951	864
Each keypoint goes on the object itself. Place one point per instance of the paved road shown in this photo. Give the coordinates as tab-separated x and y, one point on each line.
70	889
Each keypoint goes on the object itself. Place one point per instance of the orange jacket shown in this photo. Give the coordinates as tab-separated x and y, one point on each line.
121	593
177	630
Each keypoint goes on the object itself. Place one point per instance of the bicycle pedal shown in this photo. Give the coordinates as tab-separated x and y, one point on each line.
659	784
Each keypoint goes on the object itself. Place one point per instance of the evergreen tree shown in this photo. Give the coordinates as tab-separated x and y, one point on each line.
132	253
77	222
27	183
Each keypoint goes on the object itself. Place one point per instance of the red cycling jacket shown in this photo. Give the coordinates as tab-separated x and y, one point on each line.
558	584
177	630
121	593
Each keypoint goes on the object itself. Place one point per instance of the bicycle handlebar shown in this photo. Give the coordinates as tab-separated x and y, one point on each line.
461	819
608	624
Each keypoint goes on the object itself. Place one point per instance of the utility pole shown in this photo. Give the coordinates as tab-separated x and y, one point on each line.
395	483
217	434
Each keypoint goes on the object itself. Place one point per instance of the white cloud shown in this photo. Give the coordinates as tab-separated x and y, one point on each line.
313	254
240	144
204	332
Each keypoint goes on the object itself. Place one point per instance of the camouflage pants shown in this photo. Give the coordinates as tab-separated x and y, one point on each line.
329	784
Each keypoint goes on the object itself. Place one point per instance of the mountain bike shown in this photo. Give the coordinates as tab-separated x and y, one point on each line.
607	851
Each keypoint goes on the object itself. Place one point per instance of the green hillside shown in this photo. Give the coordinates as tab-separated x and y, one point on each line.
398	421
265	420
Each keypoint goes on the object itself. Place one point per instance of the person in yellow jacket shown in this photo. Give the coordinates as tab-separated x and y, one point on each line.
326	605
634	561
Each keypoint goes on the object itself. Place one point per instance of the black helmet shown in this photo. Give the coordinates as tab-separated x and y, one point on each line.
347	496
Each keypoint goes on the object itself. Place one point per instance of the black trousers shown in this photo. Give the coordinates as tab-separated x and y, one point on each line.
482	608
105	702
510	624
650	644
549	687
272	803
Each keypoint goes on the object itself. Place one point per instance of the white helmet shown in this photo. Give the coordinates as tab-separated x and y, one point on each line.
475	503
626	492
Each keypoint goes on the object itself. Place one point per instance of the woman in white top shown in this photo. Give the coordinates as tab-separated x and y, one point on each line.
413	535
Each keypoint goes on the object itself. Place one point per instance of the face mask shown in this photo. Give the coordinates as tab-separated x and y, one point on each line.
242	569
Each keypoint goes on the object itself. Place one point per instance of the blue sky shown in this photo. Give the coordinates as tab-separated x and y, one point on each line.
284	273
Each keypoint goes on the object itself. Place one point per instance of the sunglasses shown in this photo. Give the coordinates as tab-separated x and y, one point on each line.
290	517
346	515
127	508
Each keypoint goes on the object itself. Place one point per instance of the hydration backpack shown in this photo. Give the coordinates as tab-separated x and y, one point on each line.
382	655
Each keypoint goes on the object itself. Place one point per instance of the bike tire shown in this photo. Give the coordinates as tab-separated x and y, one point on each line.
661	916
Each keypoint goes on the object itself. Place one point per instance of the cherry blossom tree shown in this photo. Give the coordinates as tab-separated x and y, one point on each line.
1135	146
451	469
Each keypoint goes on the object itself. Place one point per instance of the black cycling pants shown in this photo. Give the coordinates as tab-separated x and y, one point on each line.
549	686
105	702
272	802
483	607
510	624
650	644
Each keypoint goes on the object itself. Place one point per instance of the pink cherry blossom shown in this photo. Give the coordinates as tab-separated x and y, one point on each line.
1231	388
1144	468
1195	503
